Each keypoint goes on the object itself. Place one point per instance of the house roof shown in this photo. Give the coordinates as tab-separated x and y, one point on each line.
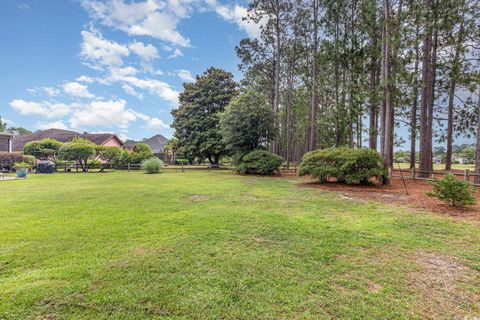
60	135
6	134
157	143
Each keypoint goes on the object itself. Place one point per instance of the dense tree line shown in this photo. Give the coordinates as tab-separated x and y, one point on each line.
352	72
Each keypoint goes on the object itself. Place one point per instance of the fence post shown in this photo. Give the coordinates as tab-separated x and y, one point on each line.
465	177
128	167
295	167
76	166
65	168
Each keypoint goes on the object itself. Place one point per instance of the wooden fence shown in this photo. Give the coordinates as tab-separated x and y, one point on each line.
416	174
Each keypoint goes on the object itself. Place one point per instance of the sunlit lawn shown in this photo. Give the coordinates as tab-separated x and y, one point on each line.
214	245
440	166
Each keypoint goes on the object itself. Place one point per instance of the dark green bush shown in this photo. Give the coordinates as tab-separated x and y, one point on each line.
7	160
454	191
259	162
345	164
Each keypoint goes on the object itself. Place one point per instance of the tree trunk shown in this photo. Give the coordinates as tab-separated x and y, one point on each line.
312	141
451	97
275	144
388	137
425	97
477	160
413	115
373	131
289	121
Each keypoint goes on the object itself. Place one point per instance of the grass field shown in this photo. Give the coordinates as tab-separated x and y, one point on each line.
214	245
439	166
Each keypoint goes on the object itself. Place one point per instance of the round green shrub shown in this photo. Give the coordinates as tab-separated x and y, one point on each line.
259	162
152	165
345	164
453	191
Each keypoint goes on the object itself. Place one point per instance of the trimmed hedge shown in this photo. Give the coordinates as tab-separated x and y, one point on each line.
259	162
7	160
346	164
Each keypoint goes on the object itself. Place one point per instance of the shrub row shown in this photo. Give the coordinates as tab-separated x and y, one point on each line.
345	164
7	160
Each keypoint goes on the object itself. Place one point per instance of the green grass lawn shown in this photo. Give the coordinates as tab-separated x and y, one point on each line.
440	166
214	245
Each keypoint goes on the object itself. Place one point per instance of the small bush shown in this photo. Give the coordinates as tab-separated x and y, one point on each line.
453	191
259	162
29	159
152	165
7	160
21	165
345	164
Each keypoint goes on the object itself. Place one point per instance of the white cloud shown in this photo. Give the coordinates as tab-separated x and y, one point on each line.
145	52
131	91
85	79
154	87
109	113
151	122
237	14
49	91
49	125
185	75
76	89
154	18
44	109
176	53
100	52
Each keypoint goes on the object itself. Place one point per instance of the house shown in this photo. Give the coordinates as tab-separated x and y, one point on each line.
103	139
437	160
157	143
6	142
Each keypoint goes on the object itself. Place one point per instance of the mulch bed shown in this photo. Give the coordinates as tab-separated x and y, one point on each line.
395	193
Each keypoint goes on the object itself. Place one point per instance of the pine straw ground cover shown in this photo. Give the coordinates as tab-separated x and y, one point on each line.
214	245
395	194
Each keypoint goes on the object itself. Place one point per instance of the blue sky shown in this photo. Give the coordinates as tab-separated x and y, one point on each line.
110	66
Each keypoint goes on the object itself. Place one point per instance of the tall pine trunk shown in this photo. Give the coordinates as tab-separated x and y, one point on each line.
477	160
312	141
451	98
388	131
425	161
413	114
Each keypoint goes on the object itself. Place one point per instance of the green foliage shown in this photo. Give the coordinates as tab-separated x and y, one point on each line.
346	164
259	162
197	119
29	159
44	149
453	191
247	123
21	165
109	154
7	160
152	165
143	148
80	150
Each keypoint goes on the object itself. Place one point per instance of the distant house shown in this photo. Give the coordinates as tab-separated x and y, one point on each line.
6	142
103	139
157	143
437	160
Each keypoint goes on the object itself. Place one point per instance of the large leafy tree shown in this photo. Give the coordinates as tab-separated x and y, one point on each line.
44	149
197	119
248	123
79	150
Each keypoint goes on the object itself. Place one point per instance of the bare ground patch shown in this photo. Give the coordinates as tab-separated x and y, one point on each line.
198	197
441	284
